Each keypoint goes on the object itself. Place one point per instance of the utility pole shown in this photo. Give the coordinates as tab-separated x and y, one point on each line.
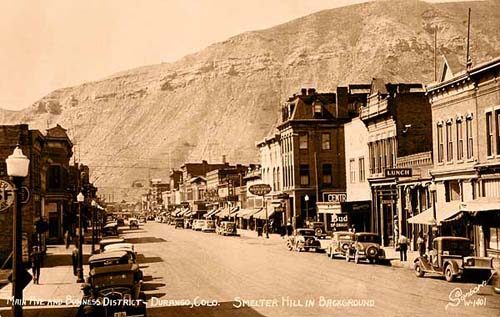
468	60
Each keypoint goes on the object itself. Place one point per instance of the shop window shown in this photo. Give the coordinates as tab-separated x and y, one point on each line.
452	190
489	134
326	141
303	141
494	239
304	174
361	163
327	174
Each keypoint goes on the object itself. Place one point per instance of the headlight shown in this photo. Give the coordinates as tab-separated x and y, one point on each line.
470	262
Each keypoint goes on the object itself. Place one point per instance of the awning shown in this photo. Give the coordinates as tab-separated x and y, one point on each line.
224	212
444	211
329	208
211	213
249	213
176	212
262	214
481	204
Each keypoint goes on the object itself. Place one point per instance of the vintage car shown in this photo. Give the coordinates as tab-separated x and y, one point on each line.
453	257
303	239
127	247
226	228
319	229
208	226
133	223
198	224
113	291
142	219
179	223
339	244
110	229
104	242
113	257
366	246
120	221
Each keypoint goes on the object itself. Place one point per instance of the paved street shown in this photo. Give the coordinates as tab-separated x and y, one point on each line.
183	264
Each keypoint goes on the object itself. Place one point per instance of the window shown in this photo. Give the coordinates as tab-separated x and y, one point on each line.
372	158
352	171
54	177
460	141
489	134
494	239
440	143
497	123
325	141
327	174
303	141
452	190
304	174
468	135
361	163
449	143
318	109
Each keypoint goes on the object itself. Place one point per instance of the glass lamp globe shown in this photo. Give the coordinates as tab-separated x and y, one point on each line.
80	198
17	163
93	203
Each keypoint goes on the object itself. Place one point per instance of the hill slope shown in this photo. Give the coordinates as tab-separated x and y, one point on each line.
222	99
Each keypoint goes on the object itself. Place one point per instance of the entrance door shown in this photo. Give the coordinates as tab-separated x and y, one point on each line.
388	224
54	225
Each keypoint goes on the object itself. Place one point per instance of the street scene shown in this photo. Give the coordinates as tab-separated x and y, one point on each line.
333	158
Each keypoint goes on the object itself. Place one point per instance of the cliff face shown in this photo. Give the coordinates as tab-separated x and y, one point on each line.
136	123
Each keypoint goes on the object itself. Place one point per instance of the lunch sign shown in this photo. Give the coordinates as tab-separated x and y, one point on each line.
260	189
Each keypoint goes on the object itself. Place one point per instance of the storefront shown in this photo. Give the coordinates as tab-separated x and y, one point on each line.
384	218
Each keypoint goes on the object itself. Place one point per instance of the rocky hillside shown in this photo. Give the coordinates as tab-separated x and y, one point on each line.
134	124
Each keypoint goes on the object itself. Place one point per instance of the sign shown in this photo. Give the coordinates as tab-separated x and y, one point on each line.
340	221
260	189
6	195
398	172
24	194
332	197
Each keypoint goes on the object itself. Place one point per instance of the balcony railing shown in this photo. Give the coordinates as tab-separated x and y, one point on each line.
414	160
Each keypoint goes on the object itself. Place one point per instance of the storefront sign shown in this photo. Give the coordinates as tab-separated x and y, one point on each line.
334	197
340	221
6	195
260	189
398	172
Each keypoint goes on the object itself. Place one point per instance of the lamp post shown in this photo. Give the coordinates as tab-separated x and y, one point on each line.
267	218
306	198
17	169
94	206
432	190
80	198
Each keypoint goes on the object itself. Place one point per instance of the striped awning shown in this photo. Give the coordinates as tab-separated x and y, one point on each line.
211	213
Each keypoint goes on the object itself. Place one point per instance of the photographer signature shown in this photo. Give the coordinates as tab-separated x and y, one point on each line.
457	296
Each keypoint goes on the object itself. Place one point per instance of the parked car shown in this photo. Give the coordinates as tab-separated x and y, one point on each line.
113	257
113	291
366	246
198	224
227	228
127	247
208	226
319	229
453	257
120	221
179	223
339	244
142	219
303	239
107	241
110	229
133	223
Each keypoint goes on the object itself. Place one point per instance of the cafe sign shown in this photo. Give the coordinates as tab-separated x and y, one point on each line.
6	195
259	189
398	172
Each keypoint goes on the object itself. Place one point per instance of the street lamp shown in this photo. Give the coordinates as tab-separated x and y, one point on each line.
80	198
434	223
17	169
94	206
306	198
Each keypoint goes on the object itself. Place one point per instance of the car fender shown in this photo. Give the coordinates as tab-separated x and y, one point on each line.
454	266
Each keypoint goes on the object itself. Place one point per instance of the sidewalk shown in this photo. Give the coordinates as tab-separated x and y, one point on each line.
57	281
394	256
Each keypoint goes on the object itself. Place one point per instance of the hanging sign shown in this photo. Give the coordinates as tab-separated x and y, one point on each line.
6	195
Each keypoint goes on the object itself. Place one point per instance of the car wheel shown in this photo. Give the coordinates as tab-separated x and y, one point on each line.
418	270
448	274
356	258
289	246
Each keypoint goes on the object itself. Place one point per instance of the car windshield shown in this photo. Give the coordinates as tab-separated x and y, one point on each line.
108	280
368	238
457	246
305	232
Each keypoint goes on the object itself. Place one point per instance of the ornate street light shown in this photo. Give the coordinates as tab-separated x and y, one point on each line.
17	169
80	198
94	206
306	198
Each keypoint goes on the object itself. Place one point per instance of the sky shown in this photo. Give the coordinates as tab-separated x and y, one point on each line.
50	44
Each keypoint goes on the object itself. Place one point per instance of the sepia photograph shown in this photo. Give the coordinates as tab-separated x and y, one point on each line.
249	158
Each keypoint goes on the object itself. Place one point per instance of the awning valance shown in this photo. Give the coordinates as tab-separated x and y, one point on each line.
443	211
262	214
481	204
249	213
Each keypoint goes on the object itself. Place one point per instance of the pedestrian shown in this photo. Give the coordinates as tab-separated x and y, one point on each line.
67	239
74	260
403	247
35	264
421	244
288	229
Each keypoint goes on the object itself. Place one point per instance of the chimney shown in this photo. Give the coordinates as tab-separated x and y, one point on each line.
311	91
224	159
303	91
